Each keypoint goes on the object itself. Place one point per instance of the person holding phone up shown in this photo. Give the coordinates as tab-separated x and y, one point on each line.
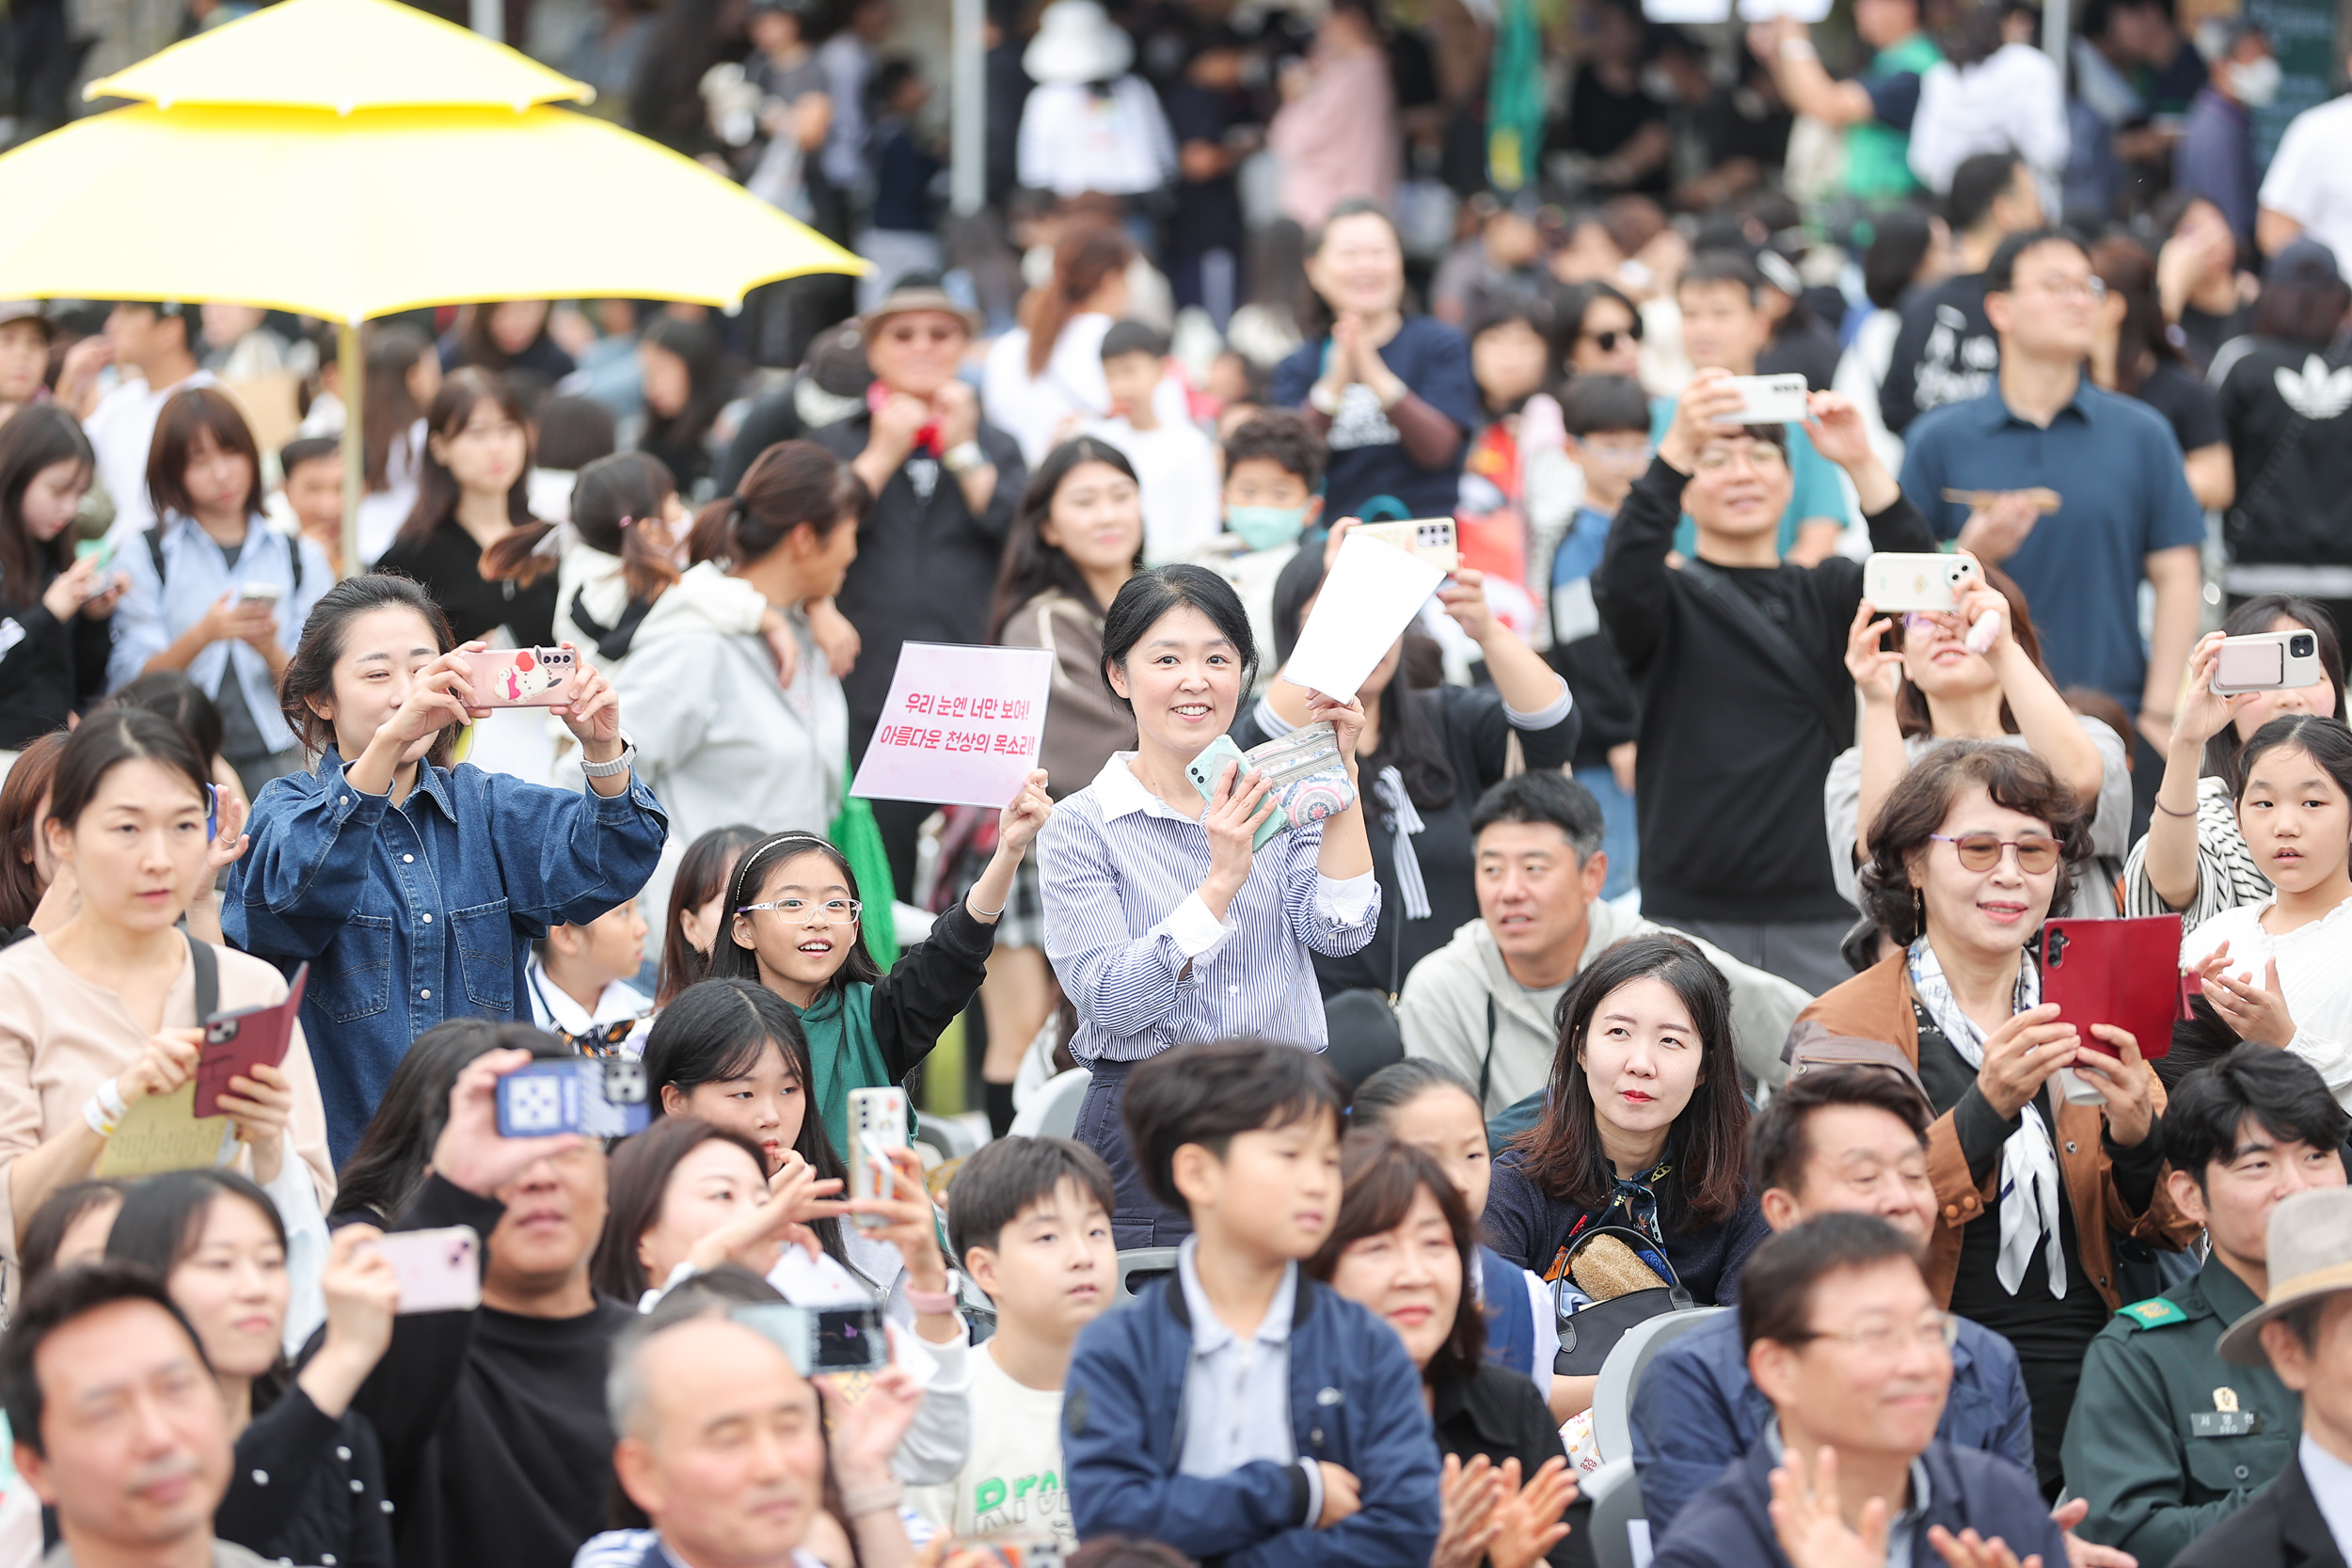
2033	1173
1164	923
215	592
415	889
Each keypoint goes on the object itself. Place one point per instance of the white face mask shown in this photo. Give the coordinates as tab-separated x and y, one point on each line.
2255	83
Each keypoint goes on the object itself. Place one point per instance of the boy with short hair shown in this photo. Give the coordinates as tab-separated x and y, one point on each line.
1239	1409
1607	420
1273	463
313	487
1175	465
1029	1220
1724	327
578	981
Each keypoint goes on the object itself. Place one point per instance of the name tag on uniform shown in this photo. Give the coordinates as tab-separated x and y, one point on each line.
2224	1423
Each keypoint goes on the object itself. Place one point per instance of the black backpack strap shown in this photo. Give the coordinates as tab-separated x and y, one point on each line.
293	548
154	537
613	642
1779	649
1487	1065
207	966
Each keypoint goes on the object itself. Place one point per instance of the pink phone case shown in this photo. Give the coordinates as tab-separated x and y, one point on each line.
440	1271
522	677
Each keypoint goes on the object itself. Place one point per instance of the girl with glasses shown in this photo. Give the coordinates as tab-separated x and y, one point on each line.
1932	687
1975	845
793	916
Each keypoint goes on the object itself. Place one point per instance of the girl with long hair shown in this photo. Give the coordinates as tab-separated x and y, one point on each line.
474	489
696	894
62	609
1048	371
404	376
686	384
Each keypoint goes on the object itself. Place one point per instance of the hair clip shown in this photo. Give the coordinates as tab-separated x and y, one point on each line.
628	521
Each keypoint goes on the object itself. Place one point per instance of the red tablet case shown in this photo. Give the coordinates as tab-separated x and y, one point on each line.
236	1042
2125	973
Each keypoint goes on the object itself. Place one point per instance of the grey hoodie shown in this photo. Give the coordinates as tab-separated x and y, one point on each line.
1442	1009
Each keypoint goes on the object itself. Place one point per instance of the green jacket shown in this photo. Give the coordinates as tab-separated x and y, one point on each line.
2167	1438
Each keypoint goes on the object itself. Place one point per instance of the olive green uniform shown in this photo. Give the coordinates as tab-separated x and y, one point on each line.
2167	1439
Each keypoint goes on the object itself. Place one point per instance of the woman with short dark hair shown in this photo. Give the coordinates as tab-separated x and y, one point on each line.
2041	1149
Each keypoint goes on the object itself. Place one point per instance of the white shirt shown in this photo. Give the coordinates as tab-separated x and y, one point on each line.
2312	972
552	1007
1044	410
2009	101
1074	140
2310	180
1176	468
120	430
2330	1481
1013	1486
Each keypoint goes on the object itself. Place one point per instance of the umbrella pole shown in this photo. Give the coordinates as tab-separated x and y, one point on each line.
353	378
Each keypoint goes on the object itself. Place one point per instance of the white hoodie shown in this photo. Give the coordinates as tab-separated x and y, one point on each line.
1443	1009
718	739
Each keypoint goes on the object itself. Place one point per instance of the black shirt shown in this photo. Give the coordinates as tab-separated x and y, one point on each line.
2205	332
1208	211
1499	1413
2172	391
1600	121
1946	351
1733	755
449	563
49	669
1473	733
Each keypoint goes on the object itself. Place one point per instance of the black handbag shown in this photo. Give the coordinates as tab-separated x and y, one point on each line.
1589	1333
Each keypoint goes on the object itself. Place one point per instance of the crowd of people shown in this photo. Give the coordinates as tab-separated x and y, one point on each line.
1667	972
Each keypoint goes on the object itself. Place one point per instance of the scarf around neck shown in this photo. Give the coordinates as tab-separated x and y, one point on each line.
2028	1201
843	1055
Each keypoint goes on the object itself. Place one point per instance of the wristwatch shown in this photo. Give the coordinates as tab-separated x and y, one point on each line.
622	764
962	457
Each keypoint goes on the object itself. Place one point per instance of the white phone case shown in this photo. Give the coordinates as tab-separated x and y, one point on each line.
878	1123
1895	582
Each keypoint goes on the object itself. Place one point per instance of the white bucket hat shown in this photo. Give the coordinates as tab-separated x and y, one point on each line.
1077	43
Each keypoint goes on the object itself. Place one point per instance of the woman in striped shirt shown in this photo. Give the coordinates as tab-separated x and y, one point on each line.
2194	861
1161	924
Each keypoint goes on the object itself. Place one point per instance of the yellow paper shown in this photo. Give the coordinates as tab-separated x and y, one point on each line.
163	1132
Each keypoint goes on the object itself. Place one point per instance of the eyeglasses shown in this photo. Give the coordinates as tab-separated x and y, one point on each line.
1764	457
1883	1339
1982	852
2092	289
832	912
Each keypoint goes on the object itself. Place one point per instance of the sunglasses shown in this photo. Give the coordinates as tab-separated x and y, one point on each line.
1606	342
2036	854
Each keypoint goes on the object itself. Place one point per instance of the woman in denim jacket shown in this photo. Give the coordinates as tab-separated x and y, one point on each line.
415	889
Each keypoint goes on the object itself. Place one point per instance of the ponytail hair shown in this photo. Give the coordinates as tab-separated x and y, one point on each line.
610	498
1084	258
792	483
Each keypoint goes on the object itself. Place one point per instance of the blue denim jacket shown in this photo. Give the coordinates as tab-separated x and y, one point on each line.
424	912
1696	1411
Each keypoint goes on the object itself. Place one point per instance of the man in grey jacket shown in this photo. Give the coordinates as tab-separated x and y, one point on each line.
1484	1003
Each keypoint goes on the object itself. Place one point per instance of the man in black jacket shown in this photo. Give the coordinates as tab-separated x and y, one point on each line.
2304	1329
497	1450
1740	661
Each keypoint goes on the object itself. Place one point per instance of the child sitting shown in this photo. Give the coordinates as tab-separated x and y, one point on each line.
1273	496
1239	1403
1174	462
1607	420
1031	1219
578	982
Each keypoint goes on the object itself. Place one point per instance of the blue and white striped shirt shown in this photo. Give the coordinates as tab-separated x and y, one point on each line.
1120	874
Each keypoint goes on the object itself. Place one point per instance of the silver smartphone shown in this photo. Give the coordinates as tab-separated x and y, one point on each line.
878	1124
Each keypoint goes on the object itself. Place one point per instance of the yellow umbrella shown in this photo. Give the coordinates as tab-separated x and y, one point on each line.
381	210
344	55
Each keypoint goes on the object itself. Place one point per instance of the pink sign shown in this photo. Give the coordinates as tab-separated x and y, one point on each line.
962	725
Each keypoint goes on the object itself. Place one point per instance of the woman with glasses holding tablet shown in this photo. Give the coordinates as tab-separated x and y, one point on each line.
1974	847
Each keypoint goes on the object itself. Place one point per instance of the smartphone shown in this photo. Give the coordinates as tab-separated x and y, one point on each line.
440	1271
2125	973
259	593
2266	662
878	1124
598	1097
822	1339
1767	400
1204	769
1895	582
1430	538
237	1042
102	551
522	677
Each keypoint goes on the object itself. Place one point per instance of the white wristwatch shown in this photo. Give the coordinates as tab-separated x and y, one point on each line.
620	763
962	457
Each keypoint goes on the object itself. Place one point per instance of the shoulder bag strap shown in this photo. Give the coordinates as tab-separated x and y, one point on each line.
207	966
1487	1066
1773	642
154	537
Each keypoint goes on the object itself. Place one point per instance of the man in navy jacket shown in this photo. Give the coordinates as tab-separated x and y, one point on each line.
1845	1339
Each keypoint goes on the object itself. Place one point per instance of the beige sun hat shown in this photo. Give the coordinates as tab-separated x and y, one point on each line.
2311	1257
